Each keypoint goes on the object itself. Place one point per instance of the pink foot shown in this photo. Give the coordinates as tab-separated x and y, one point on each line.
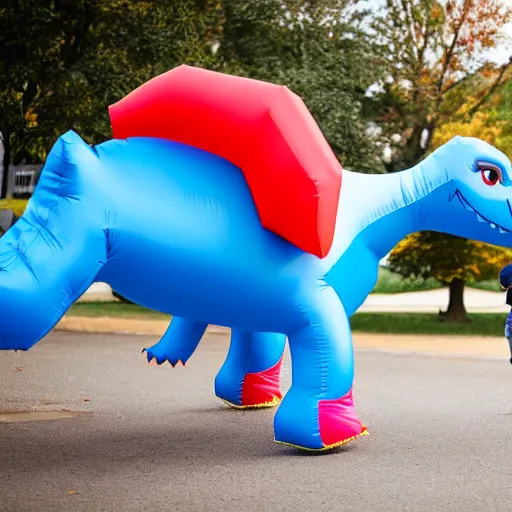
338	421
262	389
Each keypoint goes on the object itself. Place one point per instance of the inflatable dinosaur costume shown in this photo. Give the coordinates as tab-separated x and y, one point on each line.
178	228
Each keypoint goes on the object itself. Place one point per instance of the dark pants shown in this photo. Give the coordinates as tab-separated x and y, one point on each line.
508	335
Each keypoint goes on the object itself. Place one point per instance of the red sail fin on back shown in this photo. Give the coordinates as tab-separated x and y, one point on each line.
265	129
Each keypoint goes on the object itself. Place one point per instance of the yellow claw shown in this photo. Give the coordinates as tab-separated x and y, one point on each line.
329	447
271	403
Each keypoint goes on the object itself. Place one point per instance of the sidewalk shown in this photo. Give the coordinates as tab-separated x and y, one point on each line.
431	345
98	292
431	301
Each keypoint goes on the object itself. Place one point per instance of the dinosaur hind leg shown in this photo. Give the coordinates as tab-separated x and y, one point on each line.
318	411
178	343
250	376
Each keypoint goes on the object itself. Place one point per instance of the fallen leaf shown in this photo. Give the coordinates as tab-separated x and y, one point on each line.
72	491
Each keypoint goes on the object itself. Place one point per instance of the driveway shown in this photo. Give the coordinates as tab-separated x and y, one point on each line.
156	439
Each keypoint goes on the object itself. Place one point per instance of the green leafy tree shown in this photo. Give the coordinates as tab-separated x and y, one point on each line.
64	61
321	52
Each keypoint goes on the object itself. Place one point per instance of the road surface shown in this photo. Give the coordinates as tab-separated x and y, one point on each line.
155	438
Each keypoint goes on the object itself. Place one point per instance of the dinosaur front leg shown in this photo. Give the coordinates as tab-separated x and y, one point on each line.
250	376
178	343
318	411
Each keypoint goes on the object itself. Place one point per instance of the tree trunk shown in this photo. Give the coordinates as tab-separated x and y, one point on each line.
456	311
414	151
6	163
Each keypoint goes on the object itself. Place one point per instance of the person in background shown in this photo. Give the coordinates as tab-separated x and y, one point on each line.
506	284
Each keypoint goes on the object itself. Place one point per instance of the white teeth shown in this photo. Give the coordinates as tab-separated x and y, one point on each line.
466	205
469	208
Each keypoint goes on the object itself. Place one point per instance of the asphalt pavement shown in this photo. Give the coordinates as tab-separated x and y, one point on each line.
156	439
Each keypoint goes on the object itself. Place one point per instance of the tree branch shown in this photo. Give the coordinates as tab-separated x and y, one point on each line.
426	36
497	83
29	94
421	51
463	79
410	26
451	49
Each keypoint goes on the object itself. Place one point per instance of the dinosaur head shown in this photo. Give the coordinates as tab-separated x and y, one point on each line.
481	188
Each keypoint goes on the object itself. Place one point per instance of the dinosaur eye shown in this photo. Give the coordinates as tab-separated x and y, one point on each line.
491	174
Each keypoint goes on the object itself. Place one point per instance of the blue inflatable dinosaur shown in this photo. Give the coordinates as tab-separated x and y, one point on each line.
175	228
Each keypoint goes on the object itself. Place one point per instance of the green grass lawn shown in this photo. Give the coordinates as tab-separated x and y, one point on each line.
115	310
396	323
480	324
389	282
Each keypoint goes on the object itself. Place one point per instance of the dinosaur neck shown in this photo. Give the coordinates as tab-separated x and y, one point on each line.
395	205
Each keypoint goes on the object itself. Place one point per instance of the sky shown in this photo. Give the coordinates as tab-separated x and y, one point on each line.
503	52
500	54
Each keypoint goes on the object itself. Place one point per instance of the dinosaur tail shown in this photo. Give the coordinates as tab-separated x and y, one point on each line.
52	254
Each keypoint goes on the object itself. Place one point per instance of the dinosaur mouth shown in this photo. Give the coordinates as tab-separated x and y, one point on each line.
481	218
